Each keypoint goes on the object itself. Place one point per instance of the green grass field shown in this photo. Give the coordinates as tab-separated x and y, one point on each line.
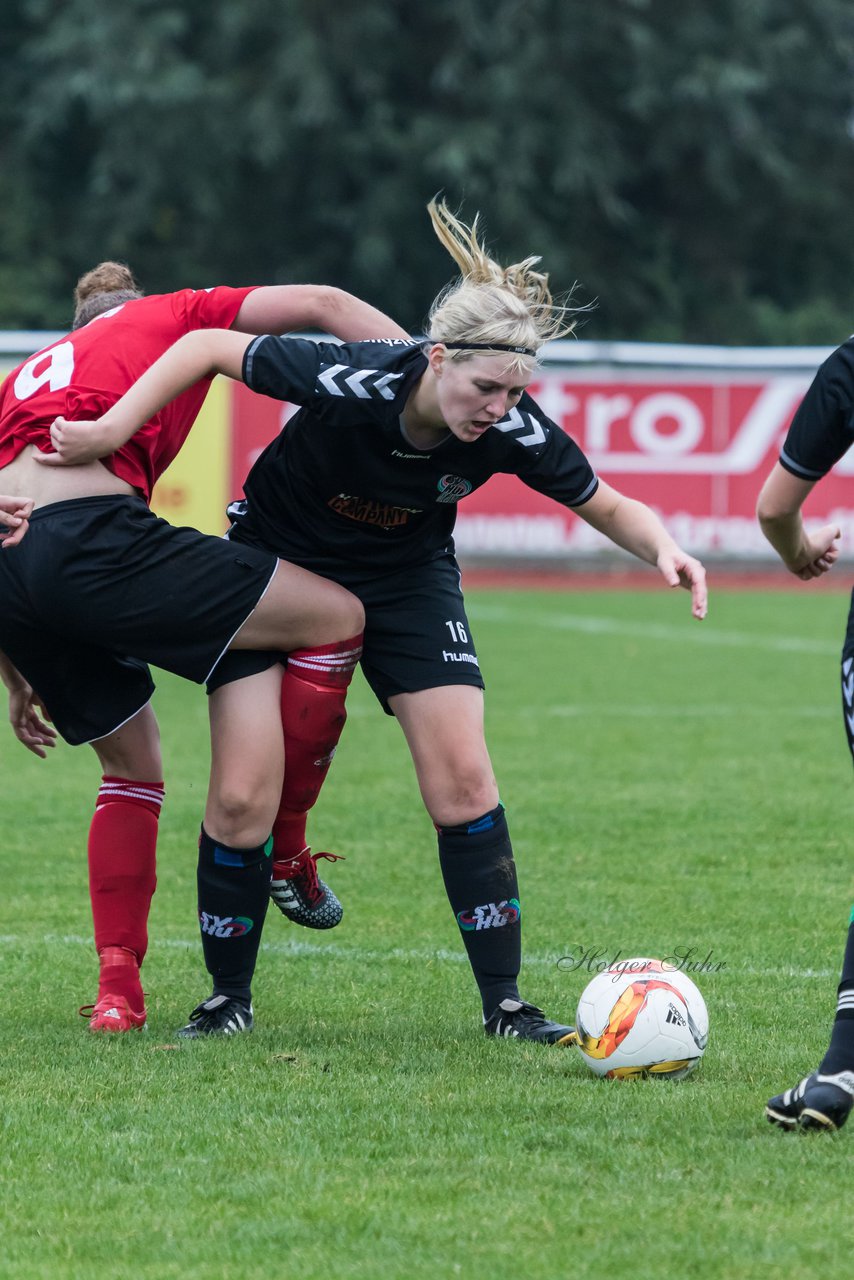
669	785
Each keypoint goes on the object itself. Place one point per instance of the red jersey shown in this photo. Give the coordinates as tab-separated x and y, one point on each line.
87	371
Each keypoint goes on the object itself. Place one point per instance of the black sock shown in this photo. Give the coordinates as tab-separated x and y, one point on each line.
480	879
840	1054
234	886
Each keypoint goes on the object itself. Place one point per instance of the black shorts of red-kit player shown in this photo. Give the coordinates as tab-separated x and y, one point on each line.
480	879
100	587
234	889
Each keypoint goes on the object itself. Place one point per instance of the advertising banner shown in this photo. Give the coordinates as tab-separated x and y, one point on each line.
695	448
691	431
694	444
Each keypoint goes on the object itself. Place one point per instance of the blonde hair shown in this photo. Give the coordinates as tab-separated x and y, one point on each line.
105	286
511	307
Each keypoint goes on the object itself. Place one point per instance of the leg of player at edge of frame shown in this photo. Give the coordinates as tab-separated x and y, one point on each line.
823	1100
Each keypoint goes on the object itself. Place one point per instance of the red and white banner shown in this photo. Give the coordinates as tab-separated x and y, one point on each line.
696	449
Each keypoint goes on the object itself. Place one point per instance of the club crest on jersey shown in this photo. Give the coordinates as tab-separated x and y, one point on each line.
452	488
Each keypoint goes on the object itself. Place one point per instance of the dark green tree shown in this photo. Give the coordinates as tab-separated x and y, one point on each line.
689	164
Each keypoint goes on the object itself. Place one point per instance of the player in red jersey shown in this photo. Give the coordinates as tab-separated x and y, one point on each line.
363	487
100	587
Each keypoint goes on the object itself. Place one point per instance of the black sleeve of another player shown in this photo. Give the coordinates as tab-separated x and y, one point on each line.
548	460
283	368
822	430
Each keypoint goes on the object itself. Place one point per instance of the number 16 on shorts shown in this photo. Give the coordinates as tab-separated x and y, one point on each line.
459	635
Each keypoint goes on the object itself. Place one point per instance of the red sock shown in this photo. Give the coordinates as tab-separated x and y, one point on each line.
122	843
119	976
314	689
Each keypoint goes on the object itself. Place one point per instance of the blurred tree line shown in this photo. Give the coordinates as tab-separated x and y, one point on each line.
690	164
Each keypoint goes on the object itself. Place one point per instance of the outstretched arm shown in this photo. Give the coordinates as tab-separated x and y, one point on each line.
284	307
270	309
14	514
635	528
779	513
24	709
197	355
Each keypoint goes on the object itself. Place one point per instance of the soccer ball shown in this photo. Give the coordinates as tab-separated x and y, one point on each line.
642	1017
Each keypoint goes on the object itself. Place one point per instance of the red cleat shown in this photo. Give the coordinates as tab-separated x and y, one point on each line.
112	1013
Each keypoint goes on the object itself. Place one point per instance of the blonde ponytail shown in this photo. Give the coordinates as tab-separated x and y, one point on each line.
490	306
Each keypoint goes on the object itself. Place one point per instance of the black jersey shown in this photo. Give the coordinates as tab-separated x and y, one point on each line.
342	482
822	430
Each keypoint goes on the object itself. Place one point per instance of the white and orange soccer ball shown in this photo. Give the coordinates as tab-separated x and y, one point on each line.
642	1017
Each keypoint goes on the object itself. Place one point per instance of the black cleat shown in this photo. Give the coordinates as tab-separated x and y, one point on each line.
304	898
515	1018
819	1101
217	1016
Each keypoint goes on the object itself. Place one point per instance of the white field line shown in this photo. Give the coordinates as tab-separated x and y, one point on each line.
692	633
365	955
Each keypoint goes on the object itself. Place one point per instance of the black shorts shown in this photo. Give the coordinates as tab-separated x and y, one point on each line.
99	587
417	634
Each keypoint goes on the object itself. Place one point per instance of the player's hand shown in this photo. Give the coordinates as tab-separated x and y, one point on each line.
14	515
681	570
820	555
25	716
75	443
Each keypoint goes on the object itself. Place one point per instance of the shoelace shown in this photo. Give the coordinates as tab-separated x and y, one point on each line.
306	872
86	1010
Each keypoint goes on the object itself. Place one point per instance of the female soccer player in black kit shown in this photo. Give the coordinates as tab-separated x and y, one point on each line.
821	432
362	487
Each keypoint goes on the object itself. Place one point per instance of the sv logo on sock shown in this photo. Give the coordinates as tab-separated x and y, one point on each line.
491	915
224	926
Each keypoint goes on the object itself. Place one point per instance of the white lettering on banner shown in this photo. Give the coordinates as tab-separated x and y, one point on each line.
668	406
532	535
755	437
54	366
552	536
601	413
555	399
